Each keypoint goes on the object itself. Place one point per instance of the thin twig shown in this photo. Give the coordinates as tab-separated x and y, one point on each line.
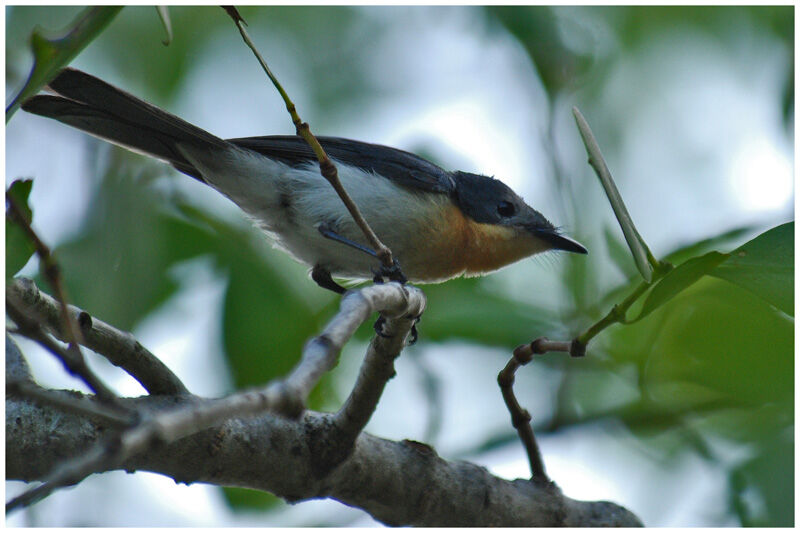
119	347
73	357
617	314
327	168
520	417
376	370
69	401
76	366
51	269
644	259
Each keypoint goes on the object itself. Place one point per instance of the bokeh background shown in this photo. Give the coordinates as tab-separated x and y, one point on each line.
686	418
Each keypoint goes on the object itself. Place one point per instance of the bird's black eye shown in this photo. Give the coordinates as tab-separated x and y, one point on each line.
506	209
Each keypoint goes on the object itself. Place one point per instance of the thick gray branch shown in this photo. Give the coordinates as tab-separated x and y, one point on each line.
396	482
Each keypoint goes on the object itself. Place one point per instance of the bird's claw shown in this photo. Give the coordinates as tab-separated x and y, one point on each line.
414	332
378	327
392	273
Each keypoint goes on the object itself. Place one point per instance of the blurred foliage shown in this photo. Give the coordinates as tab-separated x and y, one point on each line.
559	65
711	359
125	250
52	53
763	487
563	60
464	309
19	247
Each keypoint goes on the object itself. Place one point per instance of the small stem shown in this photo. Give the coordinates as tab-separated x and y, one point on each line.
520	417
327	168
80	405
72	359
615	315
642	256
51	269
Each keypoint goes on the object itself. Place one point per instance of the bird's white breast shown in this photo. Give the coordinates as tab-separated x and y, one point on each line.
290	204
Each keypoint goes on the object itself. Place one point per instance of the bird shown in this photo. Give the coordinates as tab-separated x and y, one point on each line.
439	224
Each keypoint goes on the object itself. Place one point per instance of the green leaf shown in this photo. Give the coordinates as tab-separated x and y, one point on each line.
19	247
715	340
765	266
679	279
242	499
52	54
723	240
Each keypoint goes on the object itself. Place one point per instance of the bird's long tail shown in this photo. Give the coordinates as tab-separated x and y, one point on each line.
102	110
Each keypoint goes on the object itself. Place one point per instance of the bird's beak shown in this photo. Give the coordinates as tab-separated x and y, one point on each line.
558	241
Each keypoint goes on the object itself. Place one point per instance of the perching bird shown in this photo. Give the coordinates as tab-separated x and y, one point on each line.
438	224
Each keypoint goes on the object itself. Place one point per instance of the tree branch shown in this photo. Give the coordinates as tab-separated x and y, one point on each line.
282	396
233	442
71	358
76	404
396	482
392	300
376	370
119	347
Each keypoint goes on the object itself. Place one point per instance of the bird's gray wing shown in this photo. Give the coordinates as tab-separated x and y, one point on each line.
403	168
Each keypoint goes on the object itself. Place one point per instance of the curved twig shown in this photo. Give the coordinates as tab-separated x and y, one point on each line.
119	347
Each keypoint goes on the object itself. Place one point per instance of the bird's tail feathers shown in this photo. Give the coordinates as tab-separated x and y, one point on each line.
102	110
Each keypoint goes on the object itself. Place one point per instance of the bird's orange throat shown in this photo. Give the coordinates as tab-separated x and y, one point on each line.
456	245
491	247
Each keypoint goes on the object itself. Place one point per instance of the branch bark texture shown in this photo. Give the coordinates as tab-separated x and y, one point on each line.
398	483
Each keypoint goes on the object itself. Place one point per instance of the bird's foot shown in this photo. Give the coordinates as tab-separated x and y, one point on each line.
392	273
378	327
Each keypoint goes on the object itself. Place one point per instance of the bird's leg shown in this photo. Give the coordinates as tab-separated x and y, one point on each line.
323	278
328	233
393	273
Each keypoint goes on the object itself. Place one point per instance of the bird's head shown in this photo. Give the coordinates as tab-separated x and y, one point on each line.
504	226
